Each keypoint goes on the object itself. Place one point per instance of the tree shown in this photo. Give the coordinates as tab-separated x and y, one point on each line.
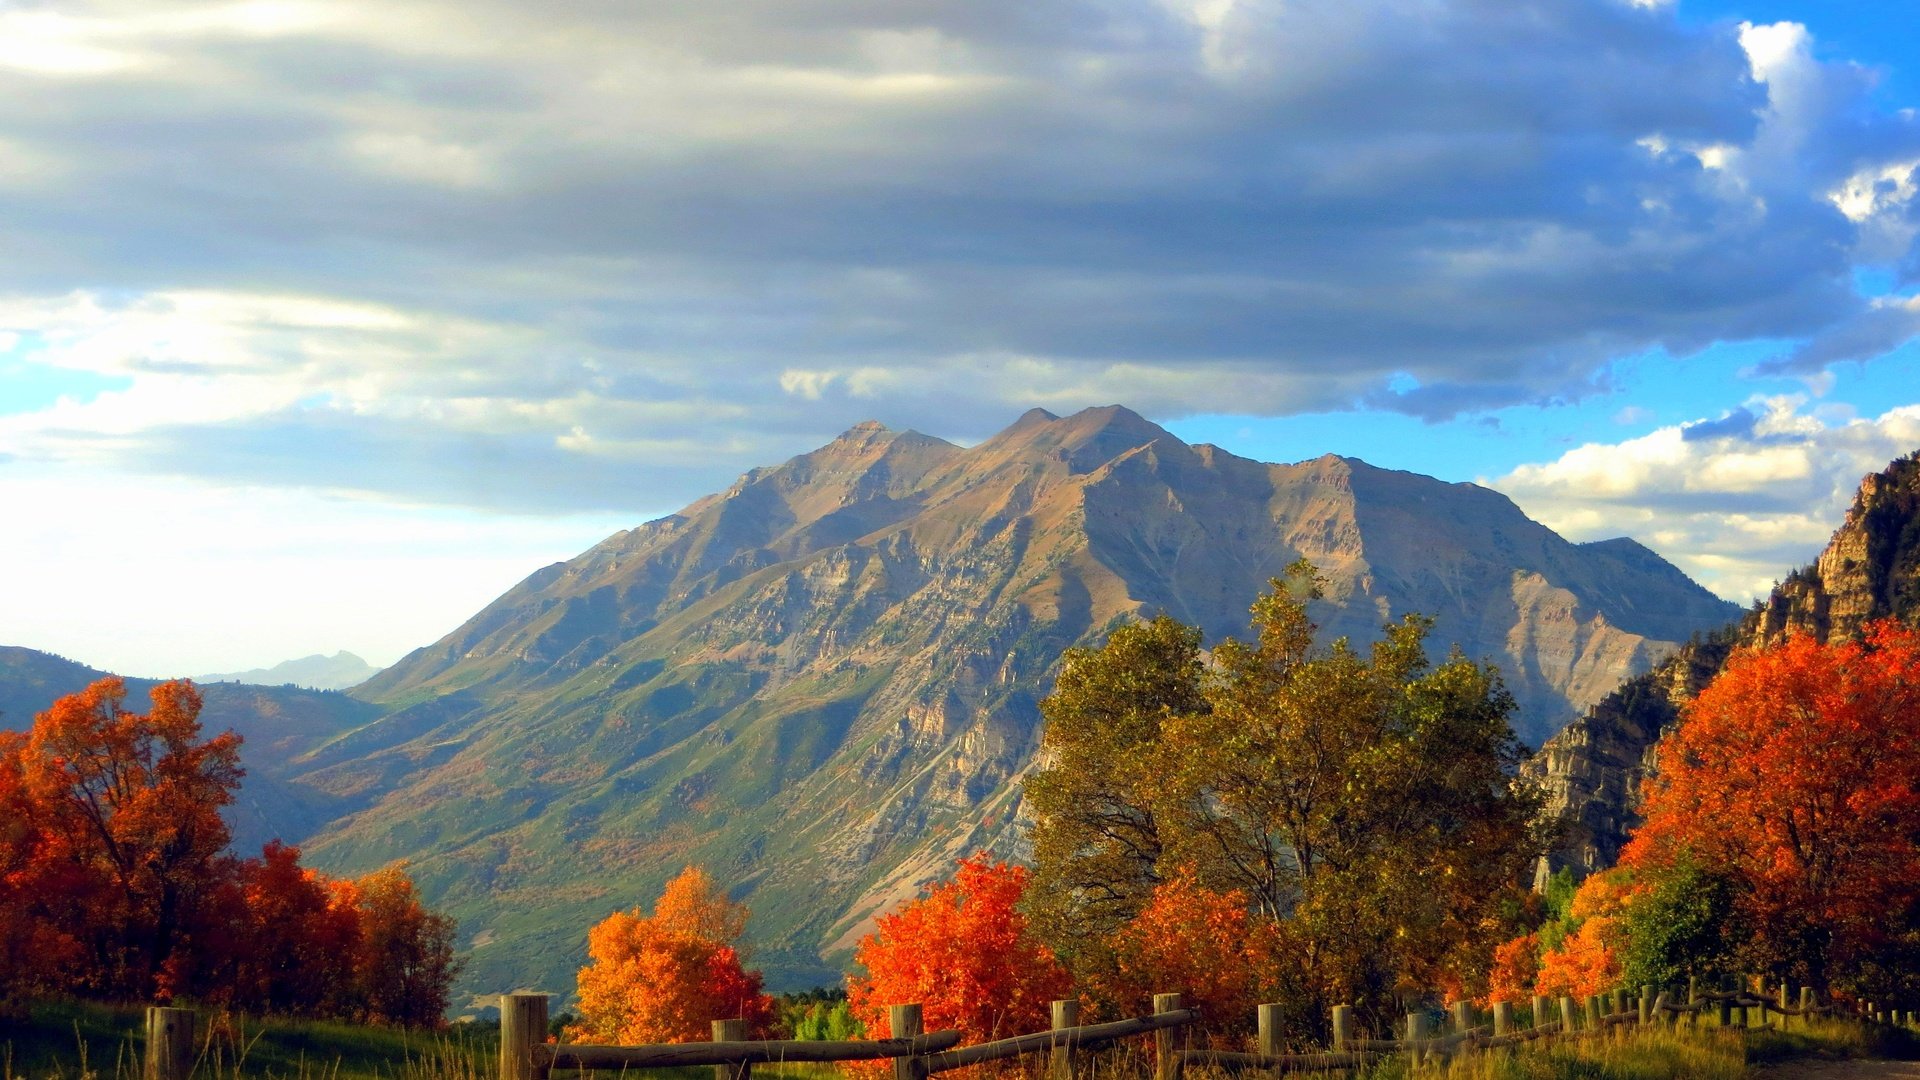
1365	803
1096	837
965	953
405	966
1206	944
665	977
1586	958
297	942
128	808
1795	777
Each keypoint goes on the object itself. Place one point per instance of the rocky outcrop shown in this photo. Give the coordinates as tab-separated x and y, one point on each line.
822	683
1592	770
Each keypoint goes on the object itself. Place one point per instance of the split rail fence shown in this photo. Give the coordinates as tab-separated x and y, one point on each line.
916	1054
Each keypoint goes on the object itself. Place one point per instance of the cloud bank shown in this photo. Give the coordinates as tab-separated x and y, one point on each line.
599	256
1736	502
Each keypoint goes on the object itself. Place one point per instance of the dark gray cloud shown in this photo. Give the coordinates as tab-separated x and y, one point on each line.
610	228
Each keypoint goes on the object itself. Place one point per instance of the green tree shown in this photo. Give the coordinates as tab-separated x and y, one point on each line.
1678	926
1097	834
1364	801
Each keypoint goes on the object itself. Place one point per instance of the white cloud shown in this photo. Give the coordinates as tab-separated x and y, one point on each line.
1735	502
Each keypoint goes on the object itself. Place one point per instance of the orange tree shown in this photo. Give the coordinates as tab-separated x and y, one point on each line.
966	954
1795	777
1203	943
665	976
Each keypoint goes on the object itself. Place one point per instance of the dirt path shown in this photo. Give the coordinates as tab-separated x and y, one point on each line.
1840	1070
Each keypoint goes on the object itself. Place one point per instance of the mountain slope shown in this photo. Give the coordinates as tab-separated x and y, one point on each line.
1870	569
821	683
276	724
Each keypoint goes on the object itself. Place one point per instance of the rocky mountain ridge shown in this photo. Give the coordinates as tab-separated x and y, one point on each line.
821	683
1870	569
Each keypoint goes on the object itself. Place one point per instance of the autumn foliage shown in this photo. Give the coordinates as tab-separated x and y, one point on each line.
665	976
1205	943
1781	832
116	881
965	952
1796	775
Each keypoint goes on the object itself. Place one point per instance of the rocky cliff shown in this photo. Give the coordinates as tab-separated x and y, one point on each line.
1870	569
821	683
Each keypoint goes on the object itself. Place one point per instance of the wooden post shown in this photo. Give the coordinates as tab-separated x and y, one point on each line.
731	1031
523	1026
1342	1026
1540	1008
1566	1014
1620	999
1646	1004
1594	1012
1416	1035
1725	1011
169	1044
1660	1013
1066	1014
1267	1017
1168	1042
1502	1018
1462	1017
904	1023
1806	1006
1693	998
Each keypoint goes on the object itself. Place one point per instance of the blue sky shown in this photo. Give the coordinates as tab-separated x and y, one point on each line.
322	323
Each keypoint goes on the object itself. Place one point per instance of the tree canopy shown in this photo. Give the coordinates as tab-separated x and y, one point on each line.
1361	802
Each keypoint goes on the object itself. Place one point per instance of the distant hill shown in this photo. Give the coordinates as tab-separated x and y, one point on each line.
278	724
316	672
821	683
1870	569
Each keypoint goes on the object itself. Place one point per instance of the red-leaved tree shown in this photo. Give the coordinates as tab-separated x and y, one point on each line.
1203	943
965	953
1796	774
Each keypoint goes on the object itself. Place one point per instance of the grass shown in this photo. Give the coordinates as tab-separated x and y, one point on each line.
81	1041
85	1041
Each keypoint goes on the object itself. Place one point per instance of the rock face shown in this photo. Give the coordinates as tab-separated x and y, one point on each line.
1870	569
821	683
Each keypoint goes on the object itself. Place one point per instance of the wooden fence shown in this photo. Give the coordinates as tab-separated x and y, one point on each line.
916	1054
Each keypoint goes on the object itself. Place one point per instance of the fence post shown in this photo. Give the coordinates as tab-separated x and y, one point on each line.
1566	1014
1502	1018
1267	1017
1806	1006
904	1021
1595	1011
1342	1027
523	1026
1168	1062
1416	1035
1540	1009
169	1044
1066	1014
1462	1016
731	1031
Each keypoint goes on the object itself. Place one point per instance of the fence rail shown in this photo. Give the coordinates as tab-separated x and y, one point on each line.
916	1055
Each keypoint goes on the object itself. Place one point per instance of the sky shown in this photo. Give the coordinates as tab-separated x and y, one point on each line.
323	323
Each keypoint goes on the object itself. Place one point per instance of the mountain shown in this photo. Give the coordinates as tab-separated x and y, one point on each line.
277	725
316	672
1870	569
821	683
